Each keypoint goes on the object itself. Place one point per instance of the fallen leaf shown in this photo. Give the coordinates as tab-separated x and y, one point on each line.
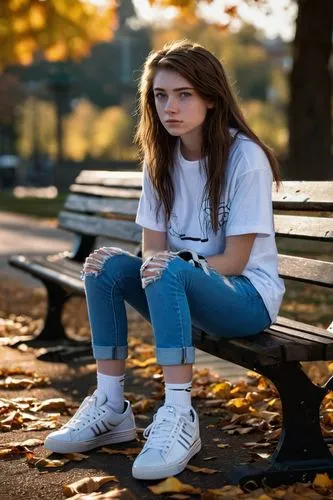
173	485
34	460
228	492
55	404
87	485
322	482
238	405
204	470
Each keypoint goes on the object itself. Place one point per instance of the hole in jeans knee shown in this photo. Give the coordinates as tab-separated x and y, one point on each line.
152	269
95	262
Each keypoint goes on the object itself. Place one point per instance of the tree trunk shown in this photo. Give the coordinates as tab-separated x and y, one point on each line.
310	109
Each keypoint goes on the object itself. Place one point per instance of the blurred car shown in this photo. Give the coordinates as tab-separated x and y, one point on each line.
8	170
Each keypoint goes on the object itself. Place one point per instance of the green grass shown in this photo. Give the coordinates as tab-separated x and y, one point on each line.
38	207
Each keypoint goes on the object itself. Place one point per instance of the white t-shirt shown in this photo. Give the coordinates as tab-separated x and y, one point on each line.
245	207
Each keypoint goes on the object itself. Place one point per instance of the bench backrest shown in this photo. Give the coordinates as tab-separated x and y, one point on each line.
104	203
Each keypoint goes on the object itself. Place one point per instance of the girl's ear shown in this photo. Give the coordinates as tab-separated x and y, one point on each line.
210	105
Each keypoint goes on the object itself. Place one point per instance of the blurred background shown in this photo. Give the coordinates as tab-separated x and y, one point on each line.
69	71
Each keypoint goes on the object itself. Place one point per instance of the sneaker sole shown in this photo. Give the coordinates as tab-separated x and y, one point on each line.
58	446
150	473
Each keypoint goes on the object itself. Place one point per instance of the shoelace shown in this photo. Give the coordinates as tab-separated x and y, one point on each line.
85	413
158	434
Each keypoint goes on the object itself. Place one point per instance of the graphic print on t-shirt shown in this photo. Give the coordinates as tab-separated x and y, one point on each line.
175	230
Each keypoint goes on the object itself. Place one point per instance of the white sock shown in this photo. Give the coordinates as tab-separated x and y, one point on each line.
113	388
178	394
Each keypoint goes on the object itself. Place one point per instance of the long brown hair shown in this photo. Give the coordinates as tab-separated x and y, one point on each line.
207	75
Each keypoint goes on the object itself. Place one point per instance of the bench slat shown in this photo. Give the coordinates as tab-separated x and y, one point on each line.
39	270
121	230
306	270
105	178
109	192
92	204
304	195
268	350
294	351
319	228
319	347
303	327
293	195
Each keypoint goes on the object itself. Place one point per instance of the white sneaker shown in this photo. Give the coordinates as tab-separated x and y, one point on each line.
94	424
173	439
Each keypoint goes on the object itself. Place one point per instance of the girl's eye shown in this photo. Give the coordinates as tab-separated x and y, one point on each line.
185	94
159	95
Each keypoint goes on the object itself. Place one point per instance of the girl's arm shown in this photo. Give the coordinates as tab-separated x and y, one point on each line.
153	242
235	256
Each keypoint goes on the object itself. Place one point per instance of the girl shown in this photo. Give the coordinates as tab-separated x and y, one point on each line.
209	255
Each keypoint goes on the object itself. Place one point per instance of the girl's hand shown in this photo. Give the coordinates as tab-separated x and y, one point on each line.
194	259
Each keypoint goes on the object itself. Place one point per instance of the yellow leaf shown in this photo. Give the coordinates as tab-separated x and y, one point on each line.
173	485
322	481
204	470
227	491
54	404
44	462
143	364
87	485
37	17
238	405
222	390
56	52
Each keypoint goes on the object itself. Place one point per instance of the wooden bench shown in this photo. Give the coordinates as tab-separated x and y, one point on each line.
104	204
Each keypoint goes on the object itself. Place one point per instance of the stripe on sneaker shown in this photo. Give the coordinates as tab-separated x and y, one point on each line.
183	445
186	441
105	426
187	434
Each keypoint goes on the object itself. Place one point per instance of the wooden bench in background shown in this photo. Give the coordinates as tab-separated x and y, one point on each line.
103	204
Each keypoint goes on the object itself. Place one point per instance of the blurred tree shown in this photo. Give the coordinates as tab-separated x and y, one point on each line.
310	105
112	136
88	131
59	28
37	123
11	96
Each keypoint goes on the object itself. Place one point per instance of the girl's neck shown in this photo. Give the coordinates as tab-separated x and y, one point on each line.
190	152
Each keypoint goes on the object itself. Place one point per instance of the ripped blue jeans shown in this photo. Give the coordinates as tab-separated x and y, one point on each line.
173	296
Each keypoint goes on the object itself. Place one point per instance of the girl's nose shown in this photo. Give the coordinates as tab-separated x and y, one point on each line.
171	105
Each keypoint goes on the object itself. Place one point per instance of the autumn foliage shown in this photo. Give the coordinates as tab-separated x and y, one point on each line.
59	29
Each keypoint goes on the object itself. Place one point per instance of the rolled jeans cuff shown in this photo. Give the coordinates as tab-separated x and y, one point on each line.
110	352
175	355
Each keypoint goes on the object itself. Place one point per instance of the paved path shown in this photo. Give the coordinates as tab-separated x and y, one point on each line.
29	235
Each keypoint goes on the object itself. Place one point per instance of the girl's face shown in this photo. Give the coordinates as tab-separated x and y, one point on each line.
179	107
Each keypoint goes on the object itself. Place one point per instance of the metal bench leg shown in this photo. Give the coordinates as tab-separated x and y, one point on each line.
53	329
301	452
